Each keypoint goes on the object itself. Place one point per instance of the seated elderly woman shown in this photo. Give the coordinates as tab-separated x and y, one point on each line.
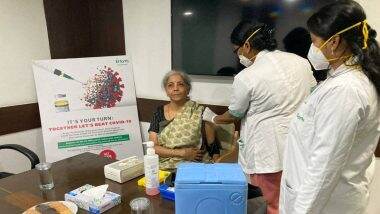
177	128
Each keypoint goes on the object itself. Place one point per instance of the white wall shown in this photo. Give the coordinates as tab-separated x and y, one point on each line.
371	8
23	38
147	30
148	40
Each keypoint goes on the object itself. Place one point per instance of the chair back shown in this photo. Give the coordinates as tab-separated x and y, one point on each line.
228	137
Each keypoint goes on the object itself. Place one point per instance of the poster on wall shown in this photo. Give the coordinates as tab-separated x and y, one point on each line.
88	105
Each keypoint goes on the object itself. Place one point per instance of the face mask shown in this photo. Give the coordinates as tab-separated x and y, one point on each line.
318	59
245	61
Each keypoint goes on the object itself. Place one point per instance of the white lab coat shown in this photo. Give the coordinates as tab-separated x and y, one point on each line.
265	95
330	147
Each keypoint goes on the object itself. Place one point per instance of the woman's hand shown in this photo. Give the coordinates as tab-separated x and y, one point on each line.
192	154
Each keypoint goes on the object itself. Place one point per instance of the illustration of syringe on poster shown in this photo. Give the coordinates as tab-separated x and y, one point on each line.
104	89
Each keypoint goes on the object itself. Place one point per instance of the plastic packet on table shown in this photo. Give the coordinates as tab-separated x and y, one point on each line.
161	176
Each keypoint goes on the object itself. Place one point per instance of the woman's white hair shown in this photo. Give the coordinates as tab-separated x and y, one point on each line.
186	79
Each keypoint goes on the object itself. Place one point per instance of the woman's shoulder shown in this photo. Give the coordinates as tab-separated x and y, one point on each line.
159	110
353	79
158	117
195	105
351	87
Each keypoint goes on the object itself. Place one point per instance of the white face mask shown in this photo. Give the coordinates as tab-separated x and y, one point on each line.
245	61
317	59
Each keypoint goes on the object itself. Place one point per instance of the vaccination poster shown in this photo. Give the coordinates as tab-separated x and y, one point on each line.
88	105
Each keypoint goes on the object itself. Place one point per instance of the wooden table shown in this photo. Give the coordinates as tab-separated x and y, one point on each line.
21	191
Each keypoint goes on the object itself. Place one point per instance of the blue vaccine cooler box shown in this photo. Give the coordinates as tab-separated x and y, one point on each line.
210	189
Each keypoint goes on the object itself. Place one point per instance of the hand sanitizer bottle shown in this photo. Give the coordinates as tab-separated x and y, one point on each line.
151	169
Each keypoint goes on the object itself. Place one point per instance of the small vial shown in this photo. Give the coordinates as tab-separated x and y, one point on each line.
61	104
46	177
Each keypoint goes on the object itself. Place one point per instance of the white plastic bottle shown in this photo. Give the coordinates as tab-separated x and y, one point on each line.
151	169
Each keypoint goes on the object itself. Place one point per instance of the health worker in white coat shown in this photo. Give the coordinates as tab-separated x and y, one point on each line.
265	96
332	139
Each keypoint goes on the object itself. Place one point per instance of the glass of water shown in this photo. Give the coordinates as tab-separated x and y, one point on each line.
46	176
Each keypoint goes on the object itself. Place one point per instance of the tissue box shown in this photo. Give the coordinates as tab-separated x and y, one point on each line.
108	201
124	170
210	189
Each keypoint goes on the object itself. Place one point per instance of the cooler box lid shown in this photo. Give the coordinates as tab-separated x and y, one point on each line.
218	173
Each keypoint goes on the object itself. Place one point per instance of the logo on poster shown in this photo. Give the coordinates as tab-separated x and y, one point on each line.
121	61
108	154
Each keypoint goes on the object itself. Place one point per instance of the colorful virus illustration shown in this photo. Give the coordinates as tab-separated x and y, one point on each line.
104	89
